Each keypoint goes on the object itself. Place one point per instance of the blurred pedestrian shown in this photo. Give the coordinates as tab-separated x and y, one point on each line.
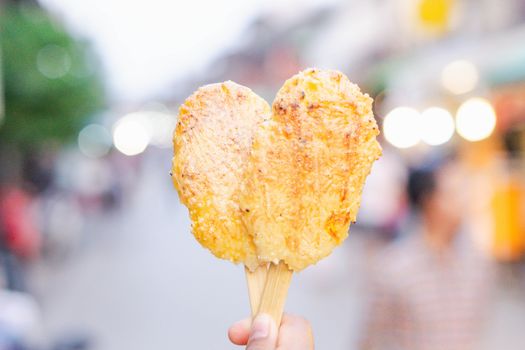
19	236
430	290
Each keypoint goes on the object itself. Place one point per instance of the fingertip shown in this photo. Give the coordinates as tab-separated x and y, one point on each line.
239	332
295	333
263	333
296	321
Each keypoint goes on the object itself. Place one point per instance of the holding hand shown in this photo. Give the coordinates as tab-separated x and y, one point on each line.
294	333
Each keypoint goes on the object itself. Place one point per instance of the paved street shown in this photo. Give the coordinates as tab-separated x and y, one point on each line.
140	281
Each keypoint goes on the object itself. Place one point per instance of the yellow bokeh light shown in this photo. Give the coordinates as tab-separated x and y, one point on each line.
401	127
436	126
460	77
475	119
130	137
435	13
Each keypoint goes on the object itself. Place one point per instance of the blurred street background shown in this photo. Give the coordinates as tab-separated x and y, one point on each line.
96	251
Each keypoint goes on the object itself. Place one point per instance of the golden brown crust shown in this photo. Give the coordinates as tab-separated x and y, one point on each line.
307	168
211	144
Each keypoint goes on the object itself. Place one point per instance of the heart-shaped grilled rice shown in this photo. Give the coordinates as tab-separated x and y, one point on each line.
307	167
282	185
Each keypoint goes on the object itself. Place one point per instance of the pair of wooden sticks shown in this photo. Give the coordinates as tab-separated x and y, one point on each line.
268	288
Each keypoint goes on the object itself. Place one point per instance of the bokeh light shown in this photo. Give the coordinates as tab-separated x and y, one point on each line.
460	77
401	127
436	126
475	119
53	61
157	125
94	141
160	126
130	136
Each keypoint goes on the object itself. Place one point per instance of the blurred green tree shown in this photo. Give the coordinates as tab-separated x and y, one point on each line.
50	80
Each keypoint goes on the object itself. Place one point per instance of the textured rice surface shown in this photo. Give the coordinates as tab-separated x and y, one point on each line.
307	168
212	141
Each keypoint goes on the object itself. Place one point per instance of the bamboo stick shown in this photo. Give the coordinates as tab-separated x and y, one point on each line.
275	291
256	281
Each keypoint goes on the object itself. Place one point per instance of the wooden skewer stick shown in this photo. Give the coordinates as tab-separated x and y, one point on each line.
256	281
275	291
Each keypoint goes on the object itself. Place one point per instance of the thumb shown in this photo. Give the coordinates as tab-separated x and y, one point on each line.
263	333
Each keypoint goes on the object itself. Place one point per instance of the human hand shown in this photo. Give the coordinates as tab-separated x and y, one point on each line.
294	333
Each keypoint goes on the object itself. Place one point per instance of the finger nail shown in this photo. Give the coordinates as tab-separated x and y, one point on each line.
260	327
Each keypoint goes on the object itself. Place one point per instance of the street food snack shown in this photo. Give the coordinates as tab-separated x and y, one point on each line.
212	141
307	168
274	187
